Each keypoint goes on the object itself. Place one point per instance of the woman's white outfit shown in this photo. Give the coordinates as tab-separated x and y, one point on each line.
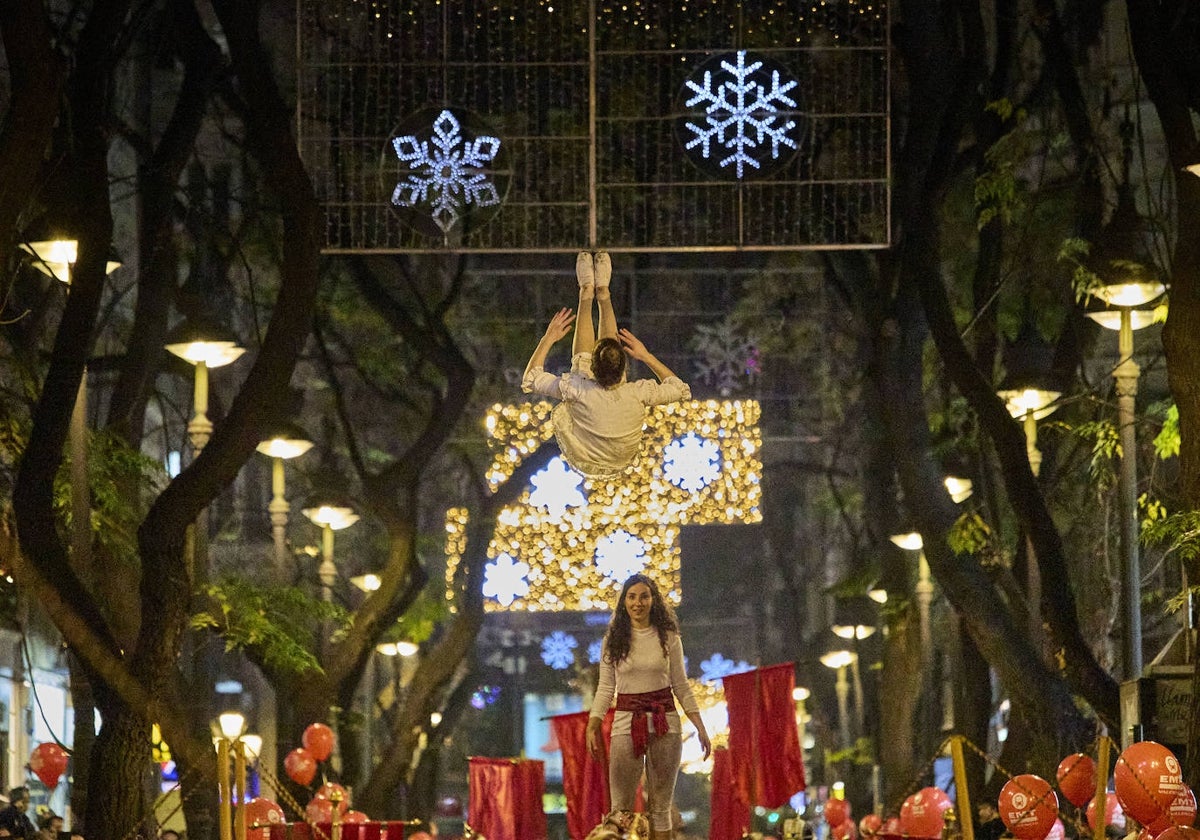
645	670
598	429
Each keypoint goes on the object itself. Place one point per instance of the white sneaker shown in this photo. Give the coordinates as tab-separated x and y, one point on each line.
583	270
603	269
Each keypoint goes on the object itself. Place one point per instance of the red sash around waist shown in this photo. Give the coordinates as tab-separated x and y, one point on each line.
645	706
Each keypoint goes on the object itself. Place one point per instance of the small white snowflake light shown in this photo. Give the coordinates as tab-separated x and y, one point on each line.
741	114
450	175
557	487
717	666
691	463
619	555
558	650
594	650
505	580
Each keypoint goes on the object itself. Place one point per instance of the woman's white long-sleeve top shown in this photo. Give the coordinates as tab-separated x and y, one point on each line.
645	669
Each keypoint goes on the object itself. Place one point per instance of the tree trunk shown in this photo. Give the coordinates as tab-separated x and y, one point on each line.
120	762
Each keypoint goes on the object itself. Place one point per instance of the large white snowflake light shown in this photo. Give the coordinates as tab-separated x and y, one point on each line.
725	358
558	650
717	666
556	487
505	579
691	463
741	114
619	555
451	175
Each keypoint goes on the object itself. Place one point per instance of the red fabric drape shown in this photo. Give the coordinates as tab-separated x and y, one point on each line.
730	817
350	831
764	744
585	781
506	798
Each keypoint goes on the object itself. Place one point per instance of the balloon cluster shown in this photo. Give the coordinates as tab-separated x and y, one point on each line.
1148	785
837	817
301	767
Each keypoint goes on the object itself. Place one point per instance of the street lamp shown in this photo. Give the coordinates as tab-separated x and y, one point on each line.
232	741
54	252
203	344
912	541
330	513
838	660
1125	296
283	441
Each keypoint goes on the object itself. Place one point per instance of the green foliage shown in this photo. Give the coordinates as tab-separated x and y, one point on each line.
1176	533
1106	449
281	622
862	753
1075	251
969	534
998	192
1166	442
419	620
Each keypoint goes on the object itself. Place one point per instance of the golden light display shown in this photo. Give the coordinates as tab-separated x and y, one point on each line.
569	542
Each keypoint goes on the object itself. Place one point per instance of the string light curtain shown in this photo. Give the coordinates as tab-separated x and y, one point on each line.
638	125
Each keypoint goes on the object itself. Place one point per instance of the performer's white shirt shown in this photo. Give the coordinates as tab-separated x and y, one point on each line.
645	669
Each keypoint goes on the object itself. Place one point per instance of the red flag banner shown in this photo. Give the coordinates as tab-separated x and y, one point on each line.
585	780
730	817
506	798
764	743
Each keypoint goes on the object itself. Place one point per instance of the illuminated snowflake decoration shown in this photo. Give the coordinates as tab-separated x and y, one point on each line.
505	579
725	359
619	555
691	463
450	175
558	650
557	487
741	114
717	666
594	650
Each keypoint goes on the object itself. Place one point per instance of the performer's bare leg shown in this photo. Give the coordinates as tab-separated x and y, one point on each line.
585	328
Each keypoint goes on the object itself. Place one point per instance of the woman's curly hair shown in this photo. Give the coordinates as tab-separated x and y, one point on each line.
608	362
620	629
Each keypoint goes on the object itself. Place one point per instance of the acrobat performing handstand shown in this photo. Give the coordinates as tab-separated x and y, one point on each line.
599	419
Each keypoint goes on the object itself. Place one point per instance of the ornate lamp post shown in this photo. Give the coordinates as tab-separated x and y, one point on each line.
839	660
203	344
54	252
233	742
1029	394
1125	318
330	513
283	441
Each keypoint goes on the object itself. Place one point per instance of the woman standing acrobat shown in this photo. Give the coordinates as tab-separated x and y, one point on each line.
641	662
599	421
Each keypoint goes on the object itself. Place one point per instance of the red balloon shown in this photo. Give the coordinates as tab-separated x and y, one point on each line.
837	811
869	825
319	810
844	830
890	830
48	762
1113	814
261	812
300	766
318	740
1148	778
328	791
1077	778
1182	811
921	813
355	817
1028	806
1180	832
